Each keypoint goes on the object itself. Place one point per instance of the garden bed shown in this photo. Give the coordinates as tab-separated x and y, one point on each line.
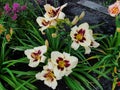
93	68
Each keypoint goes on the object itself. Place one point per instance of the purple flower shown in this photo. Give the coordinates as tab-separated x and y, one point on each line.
14	17
7	8
16	8
24	7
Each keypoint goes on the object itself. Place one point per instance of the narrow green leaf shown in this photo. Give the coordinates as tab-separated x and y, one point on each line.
92	79
8	80
27	84
82	79
2	87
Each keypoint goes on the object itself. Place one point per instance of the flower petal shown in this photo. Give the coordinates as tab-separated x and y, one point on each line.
39	20
87	50
40	75
68	72
73	62
75	45
58	73
63	6
28	53
61	15
33	63
52	84
55	55
84	26
43	49
114	9
43	59
73	31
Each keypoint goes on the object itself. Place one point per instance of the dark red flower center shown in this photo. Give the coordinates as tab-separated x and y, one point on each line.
45	23
53	13
50	75
79	36
62	63
36	55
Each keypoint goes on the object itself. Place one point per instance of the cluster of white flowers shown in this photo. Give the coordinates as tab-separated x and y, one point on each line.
50	16
59	64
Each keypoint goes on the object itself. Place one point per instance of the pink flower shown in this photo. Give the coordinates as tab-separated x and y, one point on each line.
16	8
114	9
14	17
7	8
24	7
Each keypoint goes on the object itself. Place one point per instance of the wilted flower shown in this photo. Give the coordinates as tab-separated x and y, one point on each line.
54	13
83	36
11	31
8	37
36	55
48	76
64	63
114	9
2	29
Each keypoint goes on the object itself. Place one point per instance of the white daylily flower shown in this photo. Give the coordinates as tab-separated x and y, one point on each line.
44	23
54	13
93	42
64	63
36	55
83	36
48	76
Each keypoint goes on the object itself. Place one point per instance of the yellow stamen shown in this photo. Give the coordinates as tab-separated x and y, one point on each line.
79	37
50	76
36	56
115	10
61	64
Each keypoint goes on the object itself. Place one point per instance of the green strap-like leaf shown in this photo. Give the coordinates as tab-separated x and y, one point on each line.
2	87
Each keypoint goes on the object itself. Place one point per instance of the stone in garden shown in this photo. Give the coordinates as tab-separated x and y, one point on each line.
95	14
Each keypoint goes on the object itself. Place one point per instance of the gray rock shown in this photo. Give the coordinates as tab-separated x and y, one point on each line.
92	16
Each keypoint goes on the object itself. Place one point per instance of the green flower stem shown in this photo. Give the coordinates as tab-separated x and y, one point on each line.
114	84
117	33
2	54
117	36
115	73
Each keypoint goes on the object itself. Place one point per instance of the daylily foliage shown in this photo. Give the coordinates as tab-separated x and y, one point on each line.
57	50
59	64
